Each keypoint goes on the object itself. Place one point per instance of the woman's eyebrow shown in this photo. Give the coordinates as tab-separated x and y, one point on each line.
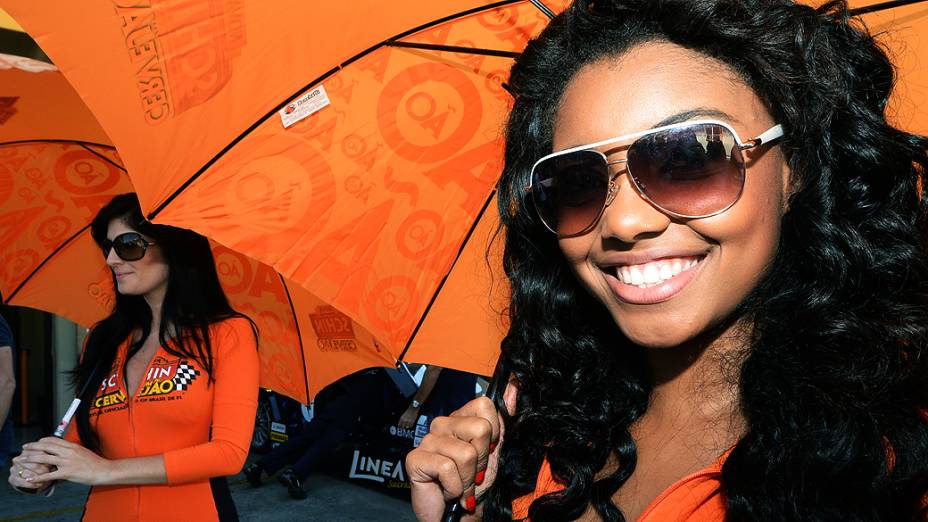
699	112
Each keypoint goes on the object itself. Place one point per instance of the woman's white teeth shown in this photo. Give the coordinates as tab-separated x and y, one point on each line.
666	272
654	273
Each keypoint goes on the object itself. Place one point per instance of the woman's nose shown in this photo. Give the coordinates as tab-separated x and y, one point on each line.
111	258
628	216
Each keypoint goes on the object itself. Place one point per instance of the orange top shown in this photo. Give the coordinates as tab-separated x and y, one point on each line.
694	498
202	429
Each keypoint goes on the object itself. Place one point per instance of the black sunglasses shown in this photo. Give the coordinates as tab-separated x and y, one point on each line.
129	246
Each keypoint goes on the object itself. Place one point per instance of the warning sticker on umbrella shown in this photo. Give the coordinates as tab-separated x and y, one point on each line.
304	106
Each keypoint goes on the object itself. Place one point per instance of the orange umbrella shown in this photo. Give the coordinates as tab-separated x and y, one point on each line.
304	343
902	27
55	174
351	146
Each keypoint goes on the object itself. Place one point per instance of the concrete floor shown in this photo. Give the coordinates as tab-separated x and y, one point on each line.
330	499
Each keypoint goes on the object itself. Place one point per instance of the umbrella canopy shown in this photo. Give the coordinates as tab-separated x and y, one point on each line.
352	146
56	171
37	89
902	27
54	179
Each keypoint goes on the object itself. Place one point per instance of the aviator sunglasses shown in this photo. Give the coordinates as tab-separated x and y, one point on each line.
687	170
129	246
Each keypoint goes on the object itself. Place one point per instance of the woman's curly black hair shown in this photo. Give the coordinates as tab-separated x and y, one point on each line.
834	380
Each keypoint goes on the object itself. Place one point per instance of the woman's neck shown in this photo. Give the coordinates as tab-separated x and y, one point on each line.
695	386
155	300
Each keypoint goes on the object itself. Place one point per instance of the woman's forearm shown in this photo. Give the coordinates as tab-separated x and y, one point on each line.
137	470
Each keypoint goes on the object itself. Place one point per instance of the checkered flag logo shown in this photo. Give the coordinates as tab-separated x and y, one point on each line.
184	376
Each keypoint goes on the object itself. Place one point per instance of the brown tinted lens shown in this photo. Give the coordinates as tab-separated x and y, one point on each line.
570	190
129	247
692	171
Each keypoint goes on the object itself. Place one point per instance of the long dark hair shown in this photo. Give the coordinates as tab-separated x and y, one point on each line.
194	300
834	380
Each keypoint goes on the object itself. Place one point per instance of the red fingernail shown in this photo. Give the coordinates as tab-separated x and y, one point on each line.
480	477
492	446
471	503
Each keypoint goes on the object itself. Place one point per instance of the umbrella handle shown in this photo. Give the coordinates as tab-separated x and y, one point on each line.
63	427
59	433
454	510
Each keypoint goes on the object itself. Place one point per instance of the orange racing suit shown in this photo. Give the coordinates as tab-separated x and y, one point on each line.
202	428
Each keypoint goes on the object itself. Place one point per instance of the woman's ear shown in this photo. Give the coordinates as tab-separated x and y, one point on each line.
789	186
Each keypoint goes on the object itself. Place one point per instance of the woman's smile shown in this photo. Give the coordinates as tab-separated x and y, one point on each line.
654	281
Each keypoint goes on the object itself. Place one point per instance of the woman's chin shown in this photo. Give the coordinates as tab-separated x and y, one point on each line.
656	344
657	335
125	289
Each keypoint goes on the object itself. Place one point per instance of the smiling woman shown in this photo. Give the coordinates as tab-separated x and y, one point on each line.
621	259
716	244
137	270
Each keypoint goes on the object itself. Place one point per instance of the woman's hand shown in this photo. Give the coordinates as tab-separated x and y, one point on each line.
73	462
458	458
23	472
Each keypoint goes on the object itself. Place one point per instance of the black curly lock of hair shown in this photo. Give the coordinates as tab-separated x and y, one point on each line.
834	383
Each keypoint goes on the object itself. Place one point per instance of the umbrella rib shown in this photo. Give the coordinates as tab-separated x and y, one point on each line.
67	242
454	49
299	336
101	156
444	279
543	8
83	144
60	247
882	6
151	216
72	142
